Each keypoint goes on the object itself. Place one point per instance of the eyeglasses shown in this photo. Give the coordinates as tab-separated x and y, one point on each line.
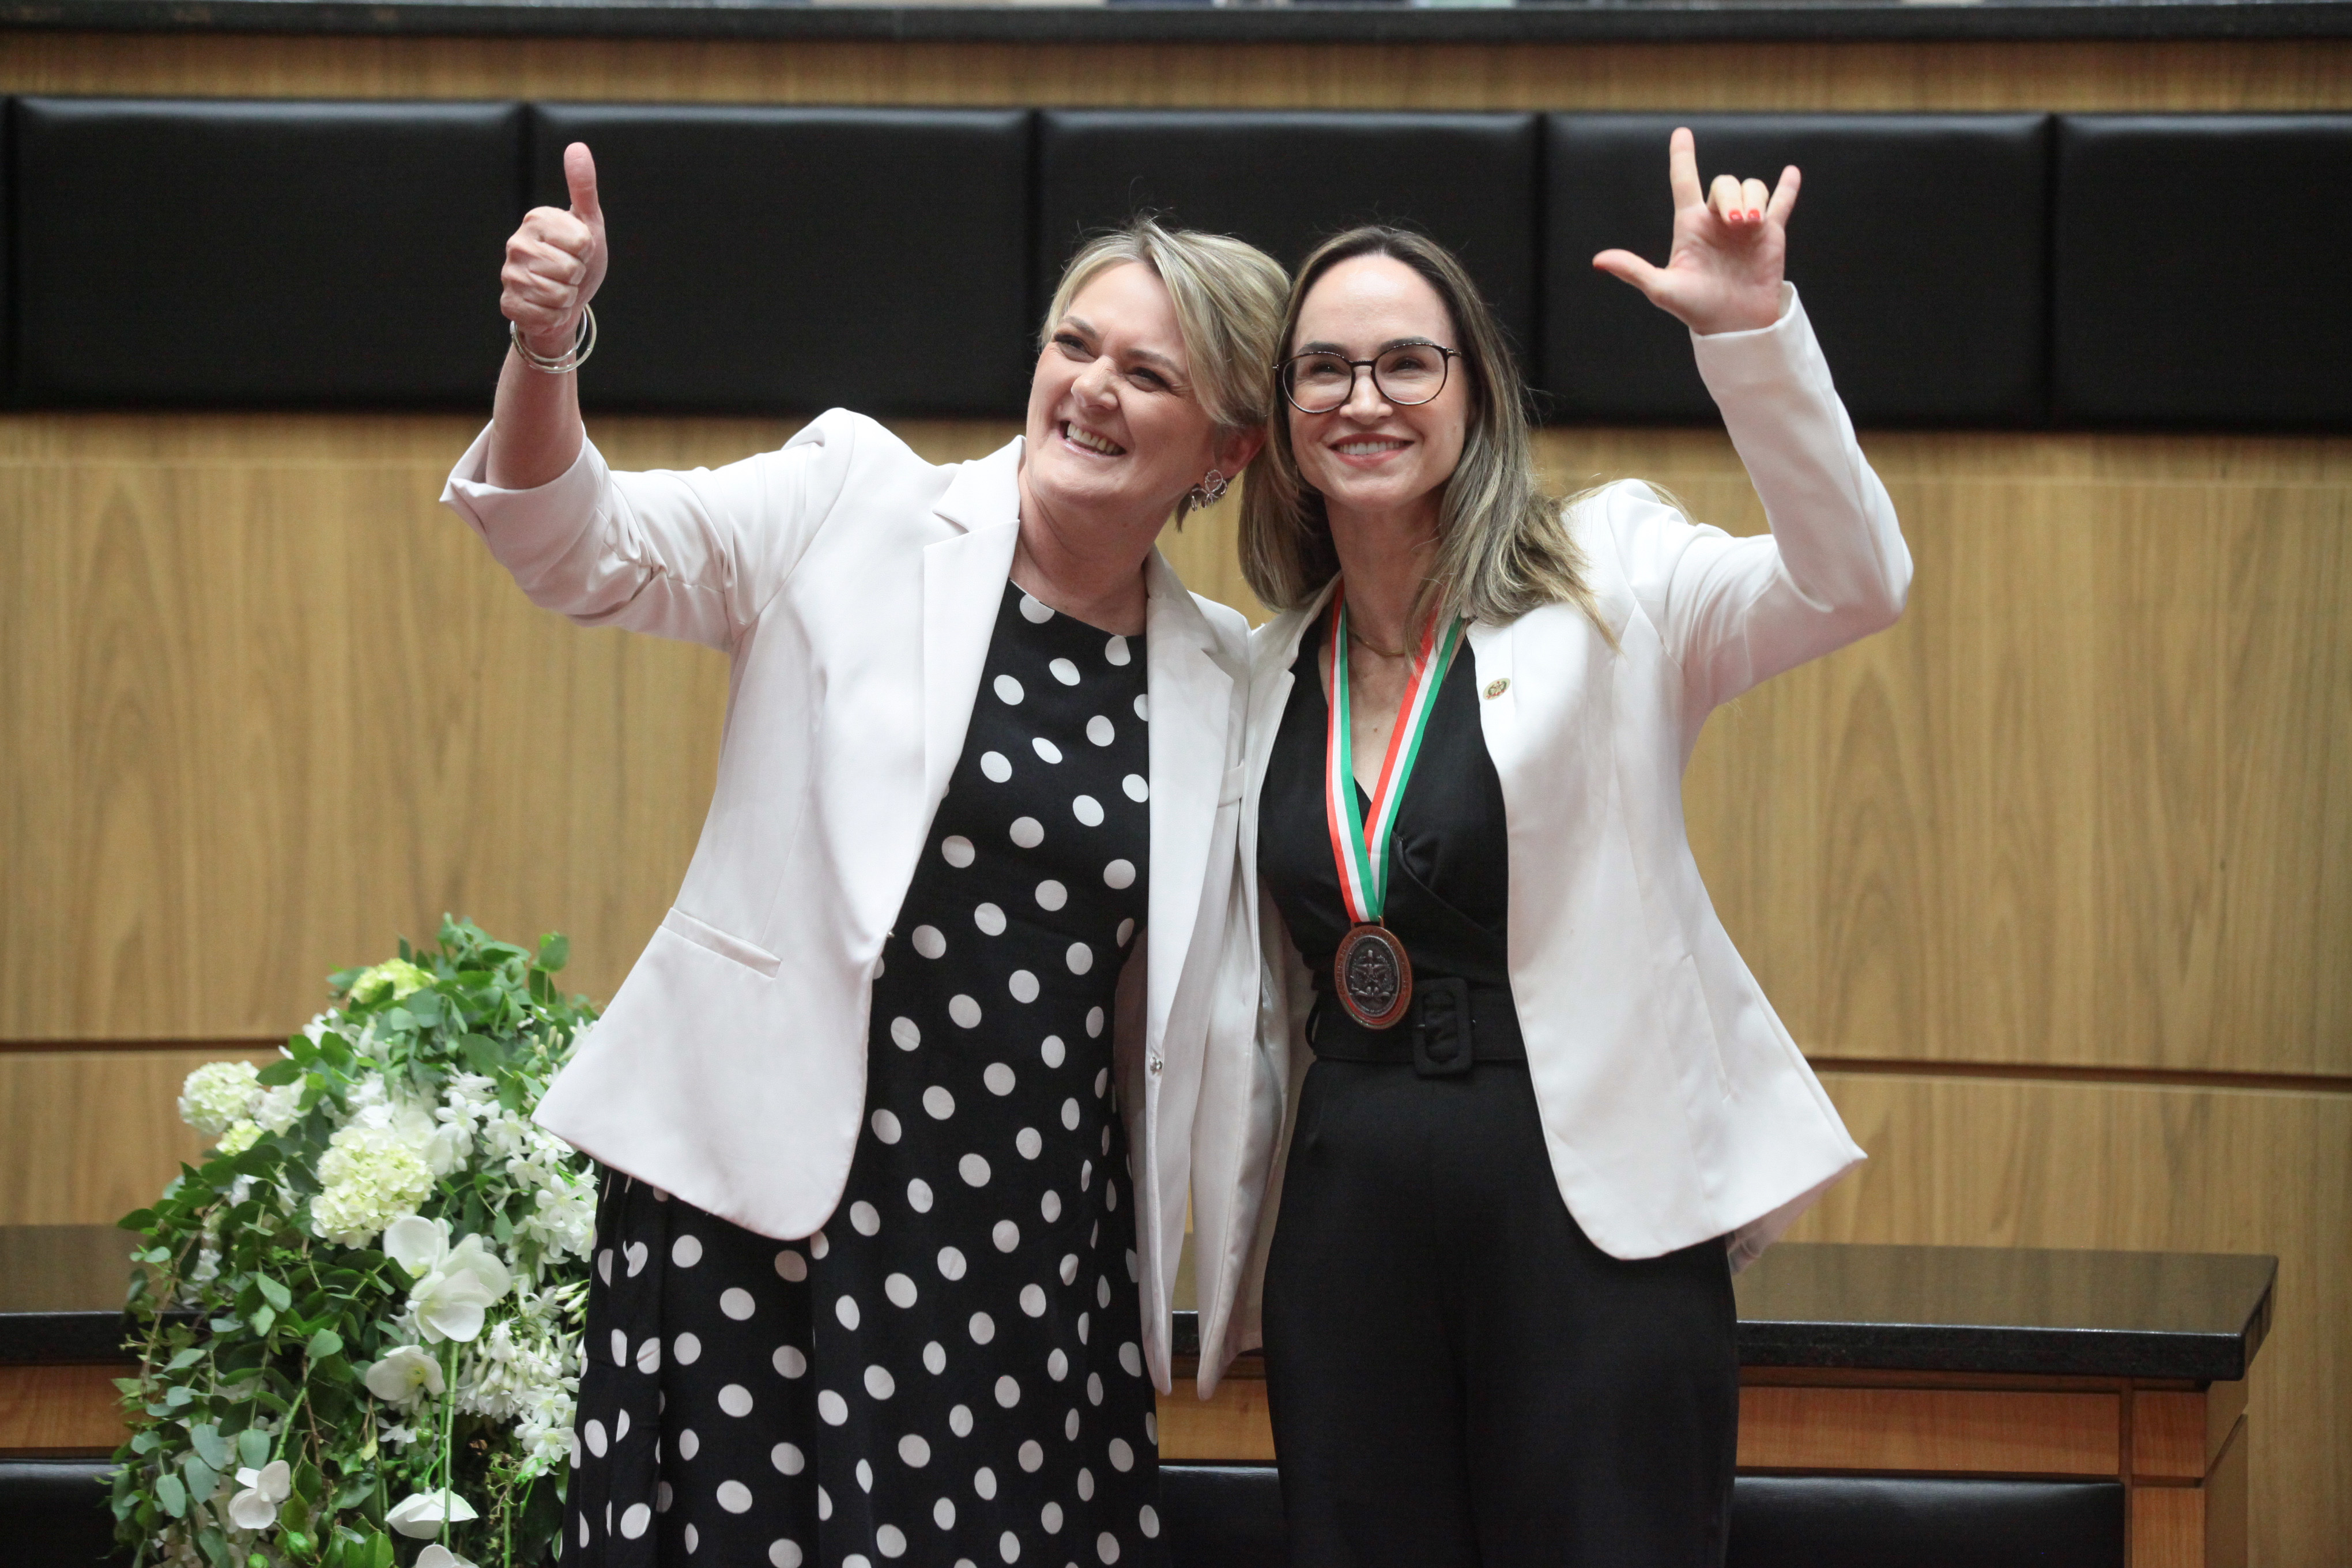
1404	376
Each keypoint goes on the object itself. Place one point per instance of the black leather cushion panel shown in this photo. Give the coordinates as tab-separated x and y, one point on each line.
1286	181
288	254
1831	1521
795	259
1230	1516
2200	270
54	1514
1918	246
1223	1516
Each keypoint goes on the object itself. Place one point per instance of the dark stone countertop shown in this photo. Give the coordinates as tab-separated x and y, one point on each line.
1998	1310
1646	21
2197	1317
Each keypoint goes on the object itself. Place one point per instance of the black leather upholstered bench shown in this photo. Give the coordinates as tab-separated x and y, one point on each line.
2200	268
789	260
54	1514
1996	270
1230	1516
1286	181
261	254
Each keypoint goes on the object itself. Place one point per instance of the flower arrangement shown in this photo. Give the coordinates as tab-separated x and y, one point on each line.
359	1323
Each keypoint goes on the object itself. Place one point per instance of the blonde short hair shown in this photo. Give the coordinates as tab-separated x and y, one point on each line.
1229	298
1503	546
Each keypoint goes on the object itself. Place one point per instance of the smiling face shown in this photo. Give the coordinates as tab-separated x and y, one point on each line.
1115	434
1368	455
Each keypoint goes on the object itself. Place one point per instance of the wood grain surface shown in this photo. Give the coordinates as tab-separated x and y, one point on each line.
266	707
1929	1431
1988	1163
92	1135
2206	74
60	1411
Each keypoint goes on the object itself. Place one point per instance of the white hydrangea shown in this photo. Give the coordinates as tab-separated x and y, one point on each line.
370	1175
218	1094
280	1107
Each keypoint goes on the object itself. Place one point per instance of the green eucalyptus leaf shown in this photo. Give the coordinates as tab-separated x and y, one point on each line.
206	1439
279	1073
554	951
203	1479
178	1396
276	1294
324	1343
253	1448
137	1220
173	1495
184	1359
262	1320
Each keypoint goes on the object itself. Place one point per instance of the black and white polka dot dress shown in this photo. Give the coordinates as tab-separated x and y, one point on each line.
952	1371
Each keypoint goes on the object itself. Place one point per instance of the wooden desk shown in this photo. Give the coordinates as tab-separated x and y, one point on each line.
2002	1363
1857	1360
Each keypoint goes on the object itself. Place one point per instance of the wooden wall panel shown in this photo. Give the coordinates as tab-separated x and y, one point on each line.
2203	75
2020	1163
267	707
92	1135
2087	804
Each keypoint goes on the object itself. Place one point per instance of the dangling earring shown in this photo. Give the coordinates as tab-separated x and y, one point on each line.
1210	490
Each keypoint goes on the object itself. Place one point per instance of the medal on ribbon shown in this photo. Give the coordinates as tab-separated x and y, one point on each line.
1374	976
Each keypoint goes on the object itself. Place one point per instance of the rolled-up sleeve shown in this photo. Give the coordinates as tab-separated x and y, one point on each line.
692	555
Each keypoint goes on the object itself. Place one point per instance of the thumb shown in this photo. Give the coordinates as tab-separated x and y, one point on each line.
580	174
1629	268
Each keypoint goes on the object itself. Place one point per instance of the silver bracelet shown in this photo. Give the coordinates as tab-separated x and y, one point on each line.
570	359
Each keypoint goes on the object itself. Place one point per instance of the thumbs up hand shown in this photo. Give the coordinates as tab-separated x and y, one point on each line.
555	261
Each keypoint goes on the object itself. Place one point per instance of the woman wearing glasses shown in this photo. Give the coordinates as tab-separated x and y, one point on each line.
1549	1111
879	1273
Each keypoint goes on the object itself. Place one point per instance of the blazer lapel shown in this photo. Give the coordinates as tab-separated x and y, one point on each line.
1191	706
963	584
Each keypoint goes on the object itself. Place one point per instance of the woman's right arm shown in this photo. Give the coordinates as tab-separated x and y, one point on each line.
555	263
691	555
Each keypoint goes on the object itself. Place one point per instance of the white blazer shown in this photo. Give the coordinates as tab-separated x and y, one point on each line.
1675	1105
855	587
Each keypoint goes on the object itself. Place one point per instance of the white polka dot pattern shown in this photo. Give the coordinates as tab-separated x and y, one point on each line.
949	1341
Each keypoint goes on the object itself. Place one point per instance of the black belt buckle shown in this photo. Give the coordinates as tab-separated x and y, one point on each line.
1441	1041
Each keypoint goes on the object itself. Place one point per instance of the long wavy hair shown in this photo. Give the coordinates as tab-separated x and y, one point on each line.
1502	548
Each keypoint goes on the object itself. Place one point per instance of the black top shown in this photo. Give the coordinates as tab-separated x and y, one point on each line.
1449	880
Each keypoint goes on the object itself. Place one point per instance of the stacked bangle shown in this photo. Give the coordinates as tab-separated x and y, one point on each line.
570	359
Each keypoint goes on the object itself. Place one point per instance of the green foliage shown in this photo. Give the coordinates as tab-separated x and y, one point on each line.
267	1293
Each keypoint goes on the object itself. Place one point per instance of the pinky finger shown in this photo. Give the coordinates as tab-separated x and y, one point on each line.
1784	198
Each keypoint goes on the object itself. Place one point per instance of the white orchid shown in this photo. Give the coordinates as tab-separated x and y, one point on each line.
402	1374
255	1508
454	1285
439	1556
420	1515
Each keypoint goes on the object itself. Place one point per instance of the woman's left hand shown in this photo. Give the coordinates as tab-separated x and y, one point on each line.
1731	246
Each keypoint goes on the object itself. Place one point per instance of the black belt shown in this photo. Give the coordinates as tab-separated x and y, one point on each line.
1450	1026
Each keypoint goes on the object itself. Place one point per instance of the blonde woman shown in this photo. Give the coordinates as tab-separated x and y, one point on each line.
880	1276
1548	1109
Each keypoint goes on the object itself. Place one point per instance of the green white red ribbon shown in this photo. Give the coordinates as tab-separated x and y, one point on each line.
1362	856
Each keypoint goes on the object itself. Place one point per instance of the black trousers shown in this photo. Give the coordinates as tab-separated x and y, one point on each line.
1458	1377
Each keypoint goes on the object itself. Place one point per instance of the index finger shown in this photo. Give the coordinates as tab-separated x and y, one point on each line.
1681	166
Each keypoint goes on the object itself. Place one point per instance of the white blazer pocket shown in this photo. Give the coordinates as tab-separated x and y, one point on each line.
677	922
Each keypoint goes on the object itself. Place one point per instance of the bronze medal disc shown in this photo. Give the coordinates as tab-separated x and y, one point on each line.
1375	977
